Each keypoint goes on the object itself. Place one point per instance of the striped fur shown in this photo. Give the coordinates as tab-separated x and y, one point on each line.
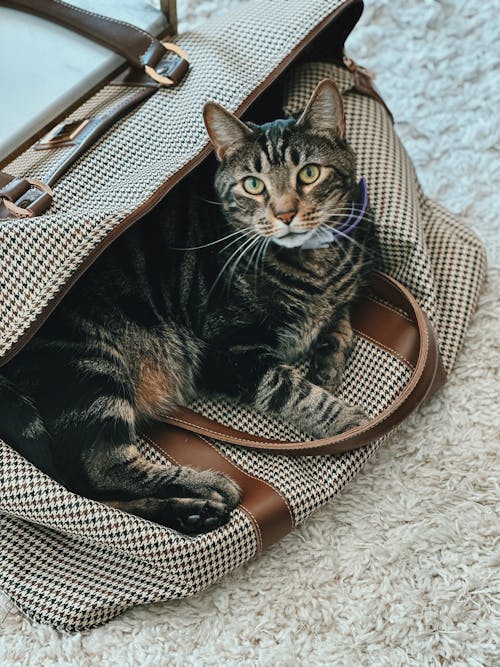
212	292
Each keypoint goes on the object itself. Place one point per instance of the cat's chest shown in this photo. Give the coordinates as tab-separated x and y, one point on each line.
295	339
297	331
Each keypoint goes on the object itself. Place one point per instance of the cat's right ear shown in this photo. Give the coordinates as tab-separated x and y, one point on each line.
226	132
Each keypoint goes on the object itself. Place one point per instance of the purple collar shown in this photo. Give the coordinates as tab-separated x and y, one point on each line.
324	237
352	222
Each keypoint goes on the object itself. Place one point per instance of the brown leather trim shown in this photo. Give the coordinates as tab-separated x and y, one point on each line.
352	7
12	187
263	503
387	328
137	46
414	332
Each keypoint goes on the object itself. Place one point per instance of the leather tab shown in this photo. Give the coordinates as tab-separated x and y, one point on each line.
14	188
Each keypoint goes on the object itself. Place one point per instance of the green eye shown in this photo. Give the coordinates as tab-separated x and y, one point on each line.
309	174
253	185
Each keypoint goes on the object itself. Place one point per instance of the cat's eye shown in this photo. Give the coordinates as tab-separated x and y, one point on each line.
253	185
309	174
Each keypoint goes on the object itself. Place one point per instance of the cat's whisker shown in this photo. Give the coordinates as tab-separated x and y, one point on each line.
206	245
239	258
345	254
210	201
349	238
366	214
228	261
255	251
242	234
263	257
261	248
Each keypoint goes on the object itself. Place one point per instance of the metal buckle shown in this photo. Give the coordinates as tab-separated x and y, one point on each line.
165	80
62	133
20	212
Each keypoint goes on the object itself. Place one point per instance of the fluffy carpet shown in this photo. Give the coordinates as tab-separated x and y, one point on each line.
403	568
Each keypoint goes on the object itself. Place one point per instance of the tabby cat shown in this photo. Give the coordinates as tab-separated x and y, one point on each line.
227	297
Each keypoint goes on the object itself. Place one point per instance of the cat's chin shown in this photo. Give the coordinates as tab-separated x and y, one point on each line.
292	240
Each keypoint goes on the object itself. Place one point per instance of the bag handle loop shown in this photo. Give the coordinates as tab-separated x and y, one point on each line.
419	342
138	47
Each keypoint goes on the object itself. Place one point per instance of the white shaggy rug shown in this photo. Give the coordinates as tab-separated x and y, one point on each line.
403	568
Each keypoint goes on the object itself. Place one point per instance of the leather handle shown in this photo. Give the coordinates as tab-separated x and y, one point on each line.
137	46
417	346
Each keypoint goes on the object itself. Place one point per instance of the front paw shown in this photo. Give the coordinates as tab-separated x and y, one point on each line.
349	417
346	418
325	375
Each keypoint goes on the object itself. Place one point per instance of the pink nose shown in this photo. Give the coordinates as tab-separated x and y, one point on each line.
286	216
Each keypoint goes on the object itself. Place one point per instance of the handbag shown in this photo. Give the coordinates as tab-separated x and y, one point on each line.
75	563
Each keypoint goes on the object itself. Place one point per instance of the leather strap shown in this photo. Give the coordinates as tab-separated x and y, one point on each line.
137	46
393	320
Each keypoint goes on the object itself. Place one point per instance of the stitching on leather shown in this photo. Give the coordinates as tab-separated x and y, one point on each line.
108	18
258	533
386	305
212	432
258	479
406	361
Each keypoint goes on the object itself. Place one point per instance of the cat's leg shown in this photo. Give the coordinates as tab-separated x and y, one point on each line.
251	374
189	500
91	413
284	391
330	354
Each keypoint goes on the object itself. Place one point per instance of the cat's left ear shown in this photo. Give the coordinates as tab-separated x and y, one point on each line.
325	110
226	132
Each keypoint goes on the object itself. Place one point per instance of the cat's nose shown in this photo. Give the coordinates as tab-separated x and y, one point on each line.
286	216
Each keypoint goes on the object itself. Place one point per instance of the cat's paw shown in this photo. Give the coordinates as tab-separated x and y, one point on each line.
207	499
325	374
211	485
194	516
348	417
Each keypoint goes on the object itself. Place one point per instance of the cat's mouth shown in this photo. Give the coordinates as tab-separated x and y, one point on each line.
293	238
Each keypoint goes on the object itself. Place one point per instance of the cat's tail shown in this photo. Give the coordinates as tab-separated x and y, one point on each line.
23	429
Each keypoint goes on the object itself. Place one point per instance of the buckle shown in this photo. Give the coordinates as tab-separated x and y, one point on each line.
41	203
176	72
62	133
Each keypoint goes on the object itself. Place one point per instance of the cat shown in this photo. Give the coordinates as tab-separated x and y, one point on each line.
223	288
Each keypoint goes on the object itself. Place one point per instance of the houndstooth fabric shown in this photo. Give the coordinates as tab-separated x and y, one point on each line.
74	563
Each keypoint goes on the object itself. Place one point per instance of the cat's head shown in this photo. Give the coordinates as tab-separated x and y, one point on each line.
287	178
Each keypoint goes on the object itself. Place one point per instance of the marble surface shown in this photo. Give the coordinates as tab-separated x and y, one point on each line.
45	67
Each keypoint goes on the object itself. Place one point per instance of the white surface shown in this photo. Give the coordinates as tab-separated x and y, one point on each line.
403	568
45	67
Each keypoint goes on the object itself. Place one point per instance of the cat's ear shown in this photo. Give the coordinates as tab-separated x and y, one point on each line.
226	132
325	110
